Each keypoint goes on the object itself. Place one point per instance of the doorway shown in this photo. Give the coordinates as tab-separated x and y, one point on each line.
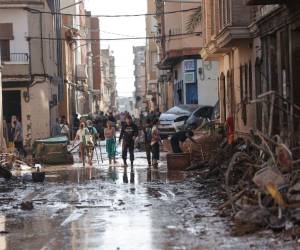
191	93
12	104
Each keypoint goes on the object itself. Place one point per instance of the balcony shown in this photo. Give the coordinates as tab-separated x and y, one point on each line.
15	64
15	58
265	2
22	1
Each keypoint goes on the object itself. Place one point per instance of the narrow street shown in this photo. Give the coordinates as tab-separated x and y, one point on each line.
110	208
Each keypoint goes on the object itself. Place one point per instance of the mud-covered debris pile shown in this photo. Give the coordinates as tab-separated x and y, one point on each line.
260	177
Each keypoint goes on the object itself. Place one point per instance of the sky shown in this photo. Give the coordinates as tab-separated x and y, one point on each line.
132	26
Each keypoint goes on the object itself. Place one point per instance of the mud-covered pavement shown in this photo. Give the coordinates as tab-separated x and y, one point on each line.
104	207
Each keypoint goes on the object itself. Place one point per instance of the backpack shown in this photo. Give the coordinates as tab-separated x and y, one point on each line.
89	138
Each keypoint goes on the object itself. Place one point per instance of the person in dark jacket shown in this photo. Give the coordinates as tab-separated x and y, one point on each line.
128	134
180	137
76	124
111	118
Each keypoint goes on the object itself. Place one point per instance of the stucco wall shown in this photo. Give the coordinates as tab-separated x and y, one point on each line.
38	108
208	83
239	56
18	18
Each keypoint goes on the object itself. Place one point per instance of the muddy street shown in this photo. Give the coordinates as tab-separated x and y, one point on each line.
104	207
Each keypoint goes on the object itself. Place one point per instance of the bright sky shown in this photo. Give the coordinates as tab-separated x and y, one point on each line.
132	26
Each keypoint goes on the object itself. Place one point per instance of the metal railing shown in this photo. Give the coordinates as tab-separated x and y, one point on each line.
16	57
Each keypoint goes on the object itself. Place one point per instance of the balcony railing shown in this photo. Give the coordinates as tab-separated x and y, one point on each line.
15	57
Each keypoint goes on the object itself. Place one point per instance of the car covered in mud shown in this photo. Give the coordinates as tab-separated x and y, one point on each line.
174	119
202	116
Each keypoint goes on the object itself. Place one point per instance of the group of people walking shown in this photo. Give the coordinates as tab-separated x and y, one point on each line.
87	135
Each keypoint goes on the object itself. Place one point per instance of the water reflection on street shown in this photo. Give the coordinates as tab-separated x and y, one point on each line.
111	207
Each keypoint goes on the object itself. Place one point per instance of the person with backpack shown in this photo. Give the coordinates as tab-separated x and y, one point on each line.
91	141
147	129
155	141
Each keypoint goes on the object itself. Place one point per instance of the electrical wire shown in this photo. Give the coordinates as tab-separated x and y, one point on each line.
35	11
117	39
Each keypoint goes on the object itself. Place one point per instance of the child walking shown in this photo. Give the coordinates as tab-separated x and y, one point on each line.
110	136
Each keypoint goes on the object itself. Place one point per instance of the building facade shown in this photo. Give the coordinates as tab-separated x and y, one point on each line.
96	64
139	79
183	77
152	58
31	65
258	53
108	85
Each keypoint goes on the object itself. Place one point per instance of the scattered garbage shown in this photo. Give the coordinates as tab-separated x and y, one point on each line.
178	161
38	176
27	205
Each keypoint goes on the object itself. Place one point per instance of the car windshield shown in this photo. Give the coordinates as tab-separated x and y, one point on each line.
182	109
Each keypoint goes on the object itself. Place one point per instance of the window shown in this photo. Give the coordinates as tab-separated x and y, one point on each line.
189	65
250	82
228	12
189	77
212	6
204	112
5	50
241	83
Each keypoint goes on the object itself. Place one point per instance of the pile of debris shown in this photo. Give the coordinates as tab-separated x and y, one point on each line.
259	178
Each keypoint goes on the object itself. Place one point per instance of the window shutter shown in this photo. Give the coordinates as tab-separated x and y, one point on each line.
6	31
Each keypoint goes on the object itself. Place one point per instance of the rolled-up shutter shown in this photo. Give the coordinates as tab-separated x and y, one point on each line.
6	31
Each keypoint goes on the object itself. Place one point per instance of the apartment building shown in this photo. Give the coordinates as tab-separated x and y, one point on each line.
108	78
96	64
82	74
31	71
184	78
152	58
258	53
139	79
226	38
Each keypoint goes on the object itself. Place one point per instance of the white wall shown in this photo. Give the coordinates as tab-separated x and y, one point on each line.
208	82
19	19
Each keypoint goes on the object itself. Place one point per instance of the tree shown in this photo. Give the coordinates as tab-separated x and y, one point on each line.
194	20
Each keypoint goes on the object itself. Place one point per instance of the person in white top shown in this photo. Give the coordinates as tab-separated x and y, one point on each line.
64	128
80	135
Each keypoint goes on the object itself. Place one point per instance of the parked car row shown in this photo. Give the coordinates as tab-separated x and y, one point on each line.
186	117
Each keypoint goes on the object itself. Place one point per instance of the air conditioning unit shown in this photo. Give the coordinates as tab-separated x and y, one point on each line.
81	72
